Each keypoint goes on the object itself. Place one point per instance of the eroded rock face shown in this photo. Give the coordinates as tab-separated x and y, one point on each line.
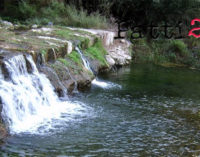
63	78
110	60
6	55
118	50
55	81
3	132
83	81
119	53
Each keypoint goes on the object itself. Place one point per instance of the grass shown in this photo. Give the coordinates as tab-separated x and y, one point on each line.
69	35
56	12
64	61
97	52
64	33
74	56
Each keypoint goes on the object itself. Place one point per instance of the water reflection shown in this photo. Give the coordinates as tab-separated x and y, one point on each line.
156	113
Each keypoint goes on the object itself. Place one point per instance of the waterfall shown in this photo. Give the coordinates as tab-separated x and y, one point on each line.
85	61
28	99
96	81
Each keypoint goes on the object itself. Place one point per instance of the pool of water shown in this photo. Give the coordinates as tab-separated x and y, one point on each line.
154	113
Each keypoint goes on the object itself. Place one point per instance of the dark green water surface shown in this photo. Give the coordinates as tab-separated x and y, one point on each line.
155	113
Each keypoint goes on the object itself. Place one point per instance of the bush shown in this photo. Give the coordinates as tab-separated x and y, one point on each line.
27	10
43	12
179	47
192	42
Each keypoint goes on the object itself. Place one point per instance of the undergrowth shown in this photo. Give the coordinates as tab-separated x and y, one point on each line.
53	12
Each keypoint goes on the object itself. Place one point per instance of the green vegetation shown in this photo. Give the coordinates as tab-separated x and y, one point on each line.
70	35
64	33
74	56
43	52
97	52
92	14
29	12
85	44
167	52
64	61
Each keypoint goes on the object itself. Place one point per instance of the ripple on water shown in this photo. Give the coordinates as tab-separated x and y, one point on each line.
161	121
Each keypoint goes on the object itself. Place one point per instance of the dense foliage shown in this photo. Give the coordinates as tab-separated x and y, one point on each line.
96	13
42	12
131	11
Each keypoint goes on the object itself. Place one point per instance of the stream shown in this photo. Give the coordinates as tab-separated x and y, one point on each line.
155	112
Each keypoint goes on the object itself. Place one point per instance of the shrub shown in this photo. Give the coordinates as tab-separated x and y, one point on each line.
192	42
179	47
27	10
42	12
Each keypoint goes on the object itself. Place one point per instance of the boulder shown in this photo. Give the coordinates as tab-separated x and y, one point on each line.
119	53
3	131
64	76
69	47
110	60
54	79
83	81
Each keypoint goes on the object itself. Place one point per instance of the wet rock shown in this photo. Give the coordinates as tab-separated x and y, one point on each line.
28	64
70	85
94	65
64	76
54	79
3	131
83	82
63	51
4	70
5	55
51	55
39	59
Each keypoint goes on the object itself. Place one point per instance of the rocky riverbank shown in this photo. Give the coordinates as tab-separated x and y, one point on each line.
53	50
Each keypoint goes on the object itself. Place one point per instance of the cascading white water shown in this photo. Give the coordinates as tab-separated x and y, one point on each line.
28	99
85	61
96	81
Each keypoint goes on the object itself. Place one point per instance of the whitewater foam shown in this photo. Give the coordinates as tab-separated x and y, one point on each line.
96	81
29	101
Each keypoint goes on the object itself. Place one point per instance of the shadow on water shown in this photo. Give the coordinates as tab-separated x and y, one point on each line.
155	113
